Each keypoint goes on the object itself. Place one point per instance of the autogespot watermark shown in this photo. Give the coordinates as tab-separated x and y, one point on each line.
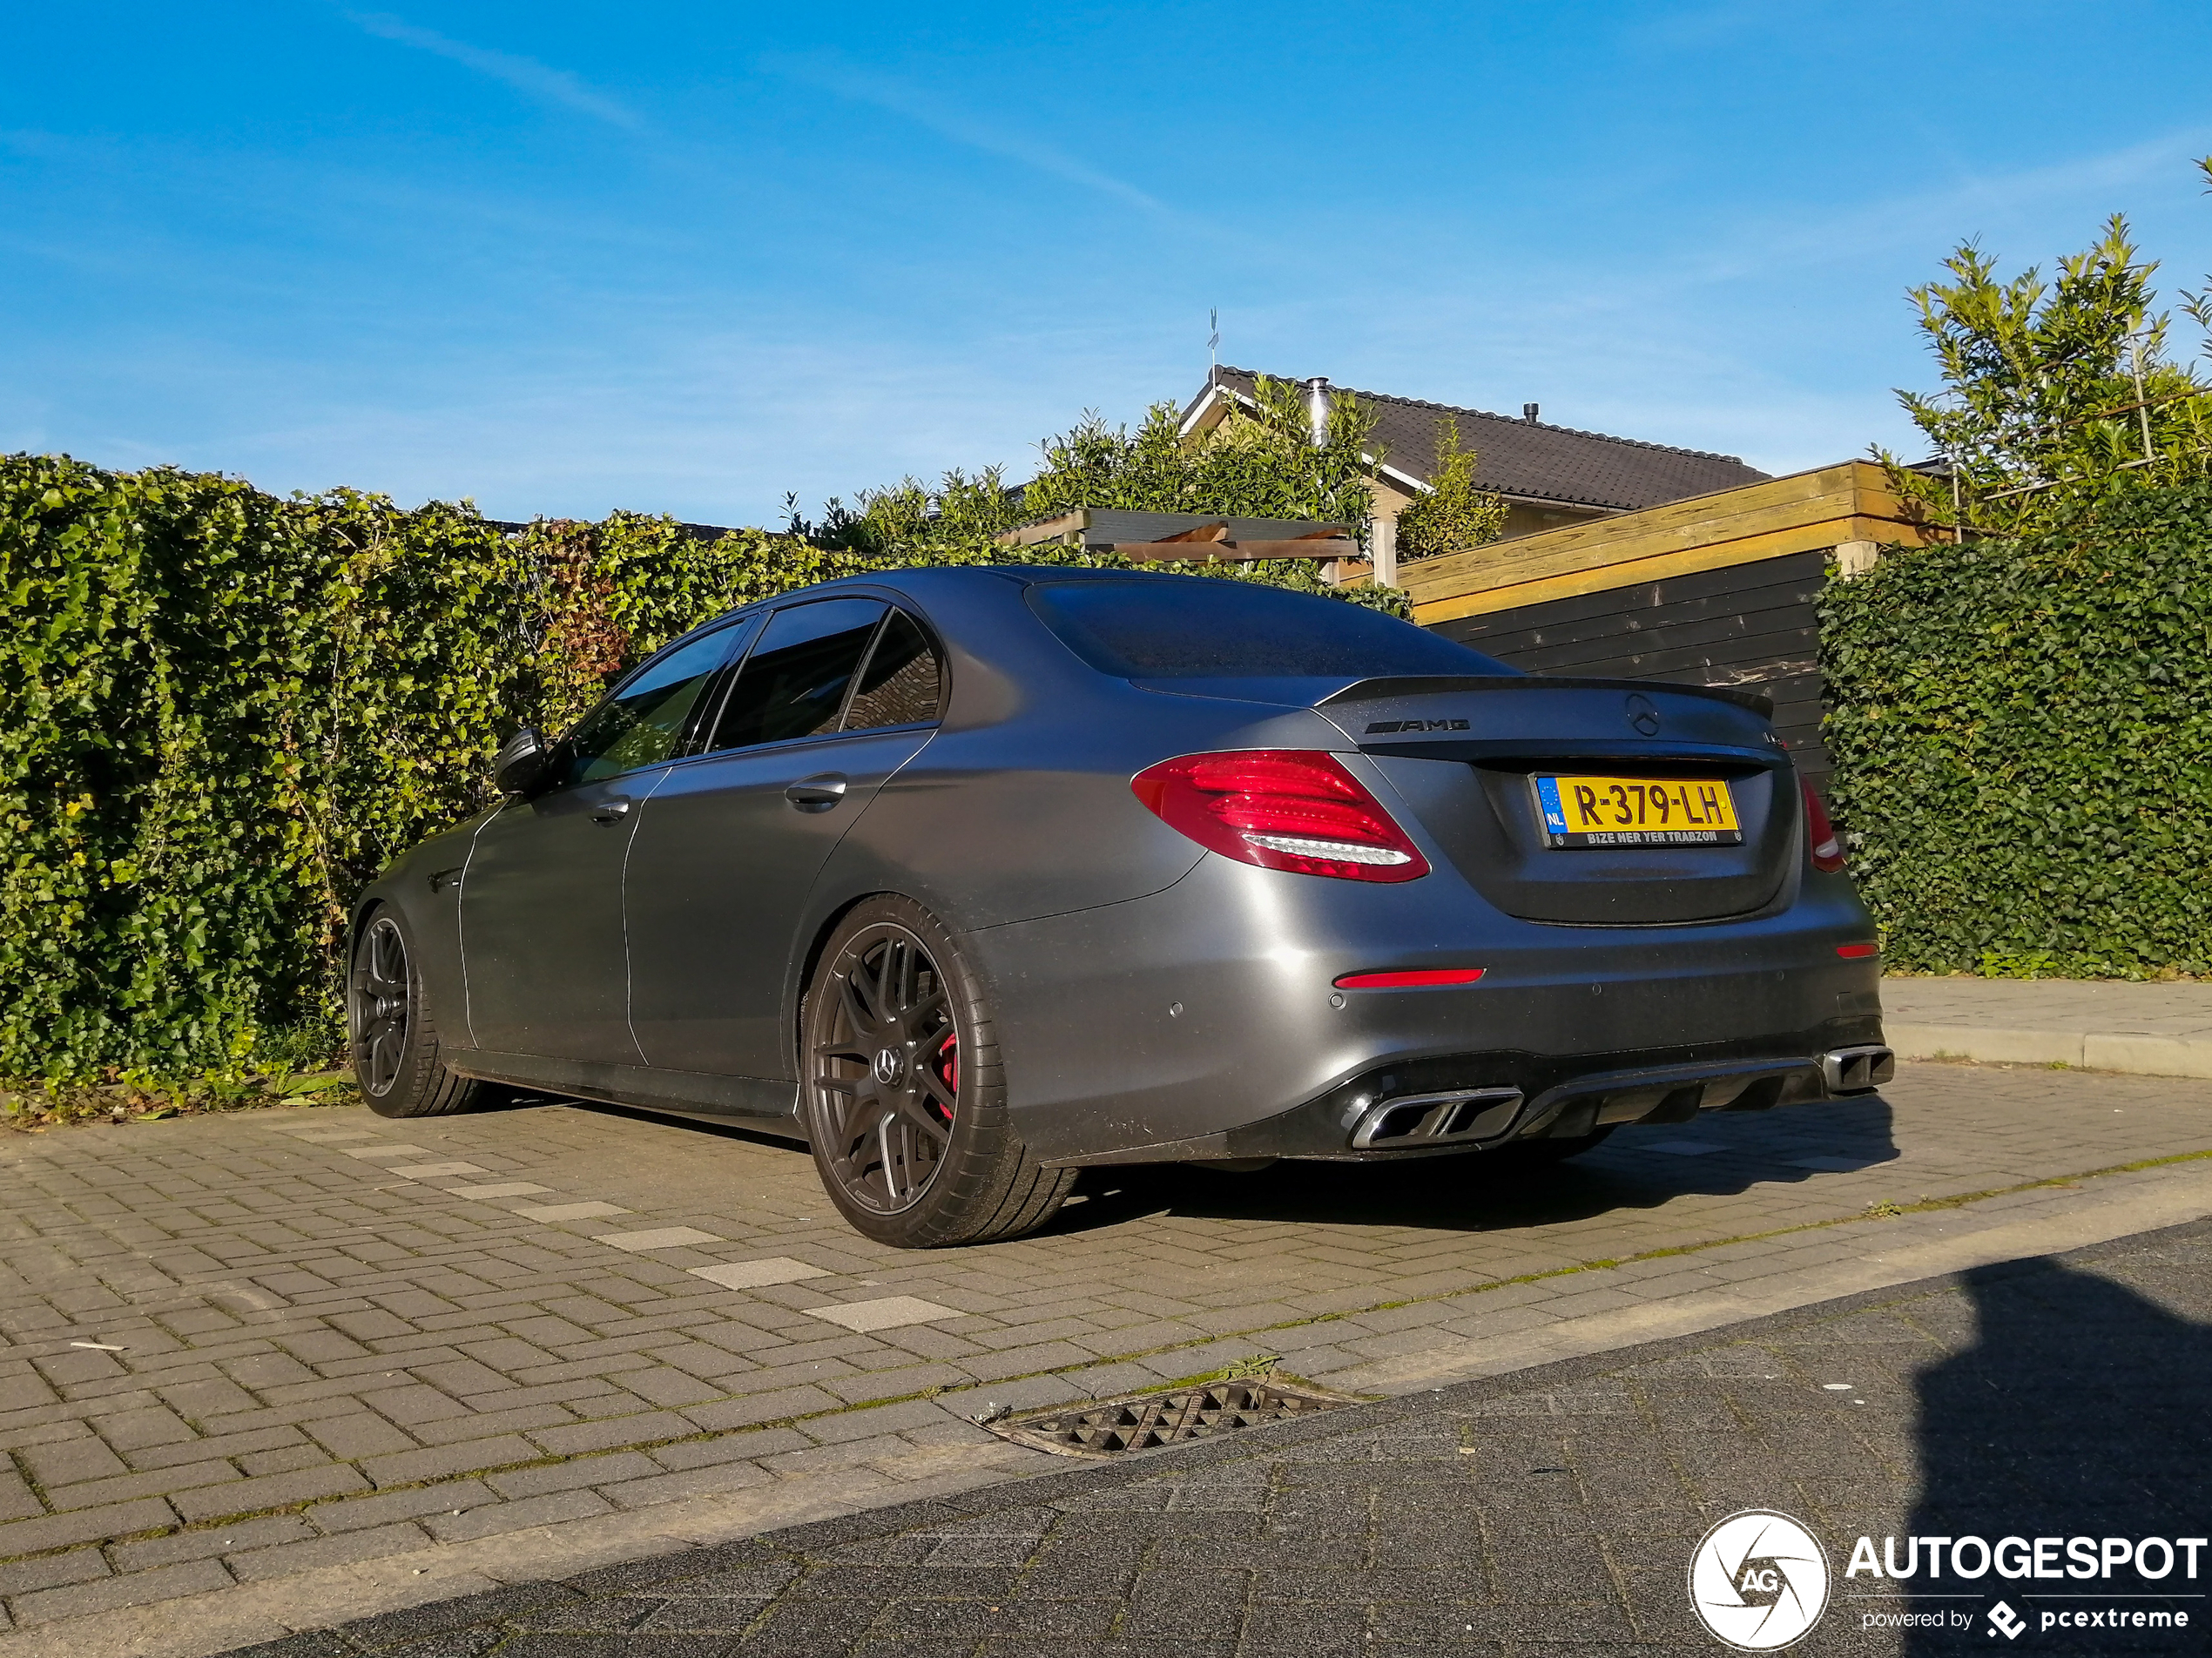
2143	1572
1759	1580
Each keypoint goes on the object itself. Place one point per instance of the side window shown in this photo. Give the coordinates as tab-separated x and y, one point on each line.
644	722
899	684
793	683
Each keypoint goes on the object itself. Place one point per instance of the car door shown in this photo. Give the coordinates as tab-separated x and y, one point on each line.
542	952
836	695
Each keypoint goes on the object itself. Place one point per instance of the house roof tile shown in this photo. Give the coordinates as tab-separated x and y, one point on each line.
1529	459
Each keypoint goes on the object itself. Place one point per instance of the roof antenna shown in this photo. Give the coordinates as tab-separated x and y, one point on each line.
1528	413
1213	346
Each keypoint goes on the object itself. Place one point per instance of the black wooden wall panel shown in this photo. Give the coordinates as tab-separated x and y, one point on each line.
1751	626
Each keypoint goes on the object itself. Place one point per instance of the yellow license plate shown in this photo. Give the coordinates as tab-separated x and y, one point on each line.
1637	812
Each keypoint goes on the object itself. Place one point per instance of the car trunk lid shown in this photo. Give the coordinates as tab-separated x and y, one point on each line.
1467	756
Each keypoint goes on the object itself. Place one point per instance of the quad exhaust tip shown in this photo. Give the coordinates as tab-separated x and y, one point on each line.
1855	1070
1447	1118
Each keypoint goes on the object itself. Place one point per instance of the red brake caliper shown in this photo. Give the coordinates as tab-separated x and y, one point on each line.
949	1068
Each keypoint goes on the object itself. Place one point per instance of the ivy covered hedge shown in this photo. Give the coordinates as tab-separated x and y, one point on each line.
222	711
2022	734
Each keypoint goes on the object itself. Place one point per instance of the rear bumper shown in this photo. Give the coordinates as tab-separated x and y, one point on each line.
1205	1020
1452	1104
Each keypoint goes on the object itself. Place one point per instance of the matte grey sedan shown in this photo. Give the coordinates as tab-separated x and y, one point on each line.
971	878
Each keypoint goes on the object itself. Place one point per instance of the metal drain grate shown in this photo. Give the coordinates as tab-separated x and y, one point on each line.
1145	1421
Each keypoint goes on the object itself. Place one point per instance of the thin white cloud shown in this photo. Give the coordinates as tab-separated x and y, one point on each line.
525	75
863	86
1949	211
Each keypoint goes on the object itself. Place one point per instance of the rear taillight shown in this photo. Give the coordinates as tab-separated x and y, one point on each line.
1826	852
1294	809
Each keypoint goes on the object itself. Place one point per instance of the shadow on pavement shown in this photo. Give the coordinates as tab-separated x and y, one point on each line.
2083	1409
1718	1154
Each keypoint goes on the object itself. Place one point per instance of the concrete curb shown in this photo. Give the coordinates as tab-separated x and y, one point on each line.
2136	1053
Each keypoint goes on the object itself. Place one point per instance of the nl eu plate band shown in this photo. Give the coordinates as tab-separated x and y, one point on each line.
1587	812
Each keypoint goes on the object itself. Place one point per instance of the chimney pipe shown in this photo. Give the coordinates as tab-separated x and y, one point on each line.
1317	409
1528	413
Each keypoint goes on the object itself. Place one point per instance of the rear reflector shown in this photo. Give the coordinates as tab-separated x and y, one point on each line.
1409	980
1857	951
1281	808
1826	852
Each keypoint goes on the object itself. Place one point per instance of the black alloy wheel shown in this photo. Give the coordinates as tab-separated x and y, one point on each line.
886	1069
381	1003
391	1037
903	1094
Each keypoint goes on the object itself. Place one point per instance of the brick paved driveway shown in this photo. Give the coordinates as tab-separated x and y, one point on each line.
241	1348
1552	1511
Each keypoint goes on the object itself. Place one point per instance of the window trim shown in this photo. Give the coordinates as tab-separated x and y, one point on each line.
563	747
891	604
867	656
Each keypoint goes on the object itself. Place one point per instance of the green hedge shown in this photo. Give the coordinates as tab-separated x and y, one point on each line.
2022	734
223	713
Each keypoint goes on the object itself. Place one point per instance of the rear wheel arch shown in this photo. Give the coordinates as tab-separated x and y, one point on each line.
951	1169
809	962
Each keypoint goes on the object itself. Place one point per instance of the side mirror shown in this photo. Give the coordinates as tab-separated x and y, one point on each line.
522	763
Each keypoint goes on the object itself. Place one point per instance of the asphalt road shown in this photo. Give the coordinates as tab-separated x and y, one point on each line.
2057	1397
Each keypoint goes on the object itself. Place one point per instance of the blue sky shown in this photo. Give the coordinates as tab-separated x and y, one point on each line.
685	258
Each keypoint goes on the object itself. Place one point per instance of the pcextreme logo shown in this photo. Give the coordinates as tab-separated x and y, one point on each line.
1758	1580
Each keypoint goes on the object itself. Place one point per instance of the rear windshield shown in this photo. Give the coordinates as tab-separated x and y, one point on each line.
1199	629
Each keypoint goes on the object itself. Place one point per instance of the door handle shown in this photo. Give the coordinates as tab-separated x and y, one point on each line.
610	811
817	793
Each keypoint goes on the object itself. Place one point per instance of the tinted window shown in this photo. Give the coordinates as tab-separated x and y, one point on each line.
793	683
898	686
1197	629
644	722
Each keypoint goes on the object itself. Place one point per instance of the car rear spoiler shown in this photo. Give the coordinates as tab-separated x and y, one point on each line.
1368	690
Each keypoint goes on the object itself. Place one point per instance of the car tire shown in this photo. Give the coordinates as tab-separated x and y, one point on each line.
390	1035
903	1093
1542	1154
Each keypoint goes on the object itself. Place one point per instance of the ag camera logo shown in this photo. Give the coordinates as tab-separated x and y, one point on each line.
1758	1580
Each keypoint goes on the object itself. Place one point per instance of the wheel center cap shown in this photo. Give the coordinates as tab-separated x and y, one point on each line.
890	1066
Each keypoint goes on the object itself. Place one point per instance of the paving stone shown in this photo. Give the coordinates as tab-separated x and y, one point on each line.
431	1170
358	1434
248	1496
354	1513
49	1571
136	1589
641	1429
73	1461
887	1313
752	1275
663	1237
343	1550
96	1493
551	1509
210	1543
85	1526
586	1212
691	1482
574	1473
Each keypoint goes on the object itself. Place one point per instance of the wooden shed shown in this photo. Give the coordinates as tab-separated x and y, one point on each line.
1716	589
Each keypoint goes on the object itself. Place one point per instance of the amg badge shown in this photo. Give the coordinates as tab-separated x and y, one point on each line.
1383	726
